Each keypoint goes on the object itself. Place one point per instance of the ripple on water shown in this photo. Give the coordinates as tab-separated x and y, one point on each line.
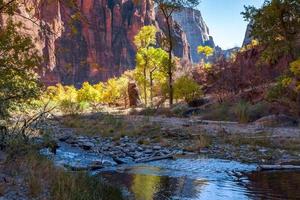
189	179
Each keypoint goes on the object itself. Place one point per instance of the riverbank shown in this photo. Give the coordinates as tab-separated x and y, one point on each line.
132	138
108	141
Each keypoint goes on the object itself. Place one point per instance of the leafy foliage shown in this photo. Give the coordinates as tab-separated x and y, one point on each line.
276	26
72	101
146	37
151	62
167	8
151	69
206	50
287	88
186	88
89	93
18	62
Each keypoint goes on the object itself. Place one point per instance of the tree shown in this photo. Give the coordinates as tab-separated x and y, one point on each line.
167	8
151	68
18	62
276	26
146	37
111	92
186	88
157	70
123	82
206	50
89	93
143	40
19	59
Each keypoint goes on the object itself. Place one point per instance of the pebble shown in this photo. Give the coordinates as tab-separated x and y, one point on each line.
156	147
148	151
140	149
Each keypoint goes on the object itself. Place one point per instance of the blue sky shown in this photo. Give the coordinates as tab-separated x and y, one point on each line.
224	20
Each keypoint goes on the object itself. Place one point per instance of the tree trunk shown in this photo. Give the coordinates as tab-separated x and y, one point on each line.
170	74
145	86
151	89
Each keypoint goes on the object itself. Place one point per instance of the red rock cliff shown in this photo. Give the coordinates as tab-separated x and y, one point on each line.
94	46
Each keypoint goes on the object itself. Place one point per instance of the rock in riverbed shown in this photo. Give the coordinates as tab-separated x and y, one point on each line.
125	150
277	121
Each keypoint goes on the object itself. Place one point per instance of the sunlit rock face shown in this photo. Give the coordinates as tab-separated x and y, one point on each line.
248	38
181	46
196	30
102	45
99	44
43	38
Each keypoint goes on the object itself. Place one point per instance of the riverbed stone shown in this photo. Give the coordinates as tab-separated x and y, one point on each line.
156	147
140	149
87	145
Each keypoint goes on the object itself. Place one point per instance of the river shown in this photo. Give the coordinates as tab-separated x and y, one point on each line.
189	178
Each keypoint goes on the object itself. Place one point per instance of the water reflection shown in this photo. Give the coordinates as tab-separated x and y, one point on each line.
216	181
152	187
273	185
189	179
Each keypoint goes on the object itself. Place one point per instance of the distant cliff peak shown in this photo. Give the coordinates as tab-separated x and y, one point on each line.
196	30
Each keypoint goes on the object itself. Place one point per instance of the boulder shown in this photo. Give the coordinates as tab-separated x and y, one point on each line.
133	95
198	102
277	120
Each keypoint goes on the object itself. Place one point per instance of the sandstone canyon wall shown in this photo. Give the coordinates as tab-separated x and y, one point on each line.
248	38
196	30
98	43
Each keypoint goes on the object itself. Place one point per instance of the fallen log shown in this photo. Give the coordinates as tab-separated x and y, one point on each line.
155	158
278	167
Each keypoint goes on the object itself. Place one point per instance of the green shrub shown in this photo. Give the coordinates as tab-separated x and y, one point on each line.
186	88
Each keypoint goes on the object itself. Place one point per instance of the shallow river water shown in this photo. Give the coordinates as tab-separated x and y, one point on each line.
189	178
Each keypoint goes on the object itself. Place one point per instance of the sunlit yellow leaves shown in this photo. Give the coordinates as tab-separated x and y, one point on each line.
145	37
285	82
253	44
206	50
295	67
186	88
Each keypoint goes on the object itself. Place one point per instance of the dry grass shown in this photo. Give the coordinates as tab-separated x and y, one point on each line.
2	189
43	179
148	132
109	125
261	140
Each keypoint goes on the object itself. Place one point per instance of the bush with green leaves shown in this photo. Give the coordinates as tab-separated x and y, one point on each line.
18	64
187	88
